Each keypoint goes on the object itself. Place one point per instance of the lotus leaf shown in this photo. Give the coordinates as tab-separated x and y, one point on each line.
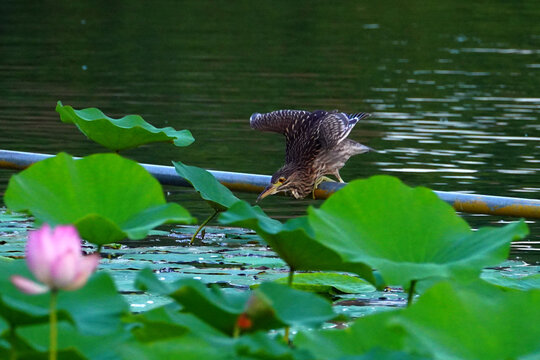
407	234
119	134
449	321
479	321
293	241
107	197
211	190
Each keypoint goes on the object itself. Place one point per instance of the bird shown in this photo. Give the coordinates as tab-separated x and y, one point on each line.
316	146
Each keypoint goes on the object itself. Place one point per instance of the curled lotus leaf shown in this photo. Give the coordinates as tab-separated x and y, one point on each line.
119	134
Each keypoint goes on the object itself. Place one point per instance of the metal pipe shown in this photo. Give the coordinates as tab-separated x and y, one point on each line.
469	203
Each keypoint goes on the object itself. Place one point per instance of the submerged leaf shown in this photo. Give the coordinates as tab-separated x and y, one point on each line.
120	134
293	241
407	233
108	198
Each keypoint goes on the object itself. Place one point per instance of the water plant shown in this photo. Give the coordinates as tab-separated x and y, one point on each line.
212	191
107	197
119	134
406	234
54	257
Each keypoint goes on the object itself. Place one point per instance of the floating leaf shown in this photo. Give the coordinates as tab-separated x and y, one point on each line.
328	283
293	241
407	233
108	198
211	190
523	283
120	134
270	306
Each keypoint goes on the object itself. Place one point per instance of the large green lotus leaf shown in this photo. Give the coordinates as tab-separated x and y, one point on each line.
365	334
108	198
166	322
477	321
92	347
120	134
211	190
188	347
293	307
78	306
293	241
407	233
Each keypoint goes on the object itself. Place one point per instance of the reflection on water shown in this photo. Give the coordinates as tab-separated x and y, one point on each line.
454	87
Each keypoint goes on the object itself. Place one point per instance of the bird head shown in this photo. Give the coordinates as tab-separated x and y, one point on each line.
288	178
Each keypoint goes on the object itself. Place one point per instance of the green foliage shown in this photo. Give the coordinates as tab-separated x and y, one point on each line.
293	241
120	134
108	198
269	306
479	321
407	233
79	307
217	195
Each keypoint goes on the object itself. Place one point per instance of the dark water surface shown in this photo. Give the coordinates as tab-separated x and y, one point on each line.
453	86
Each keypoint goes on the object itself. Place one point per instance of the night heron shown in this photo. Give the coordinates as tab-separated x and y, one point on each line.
316	145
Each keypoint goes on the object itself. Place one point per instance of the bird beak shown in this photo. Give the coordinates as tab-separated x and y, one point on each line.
269	190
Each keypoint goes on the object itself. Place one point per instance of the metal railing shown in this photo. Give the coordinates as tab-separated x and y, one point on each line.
253	183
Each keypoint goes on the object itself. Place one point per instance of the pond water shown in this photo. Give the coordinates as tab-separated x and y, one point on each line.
453	86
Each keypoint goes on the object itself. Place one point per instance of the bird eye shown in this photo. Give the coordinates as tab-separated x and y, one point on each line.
281	179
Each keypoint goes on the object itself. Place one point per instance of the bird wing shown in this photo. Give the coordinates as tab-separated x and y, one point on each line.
335	127
277	121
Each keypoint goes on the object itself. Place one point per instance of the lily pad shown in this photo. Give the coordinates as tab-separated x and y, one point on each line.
328	283
119	134
107	197
522	283
407	234
293	241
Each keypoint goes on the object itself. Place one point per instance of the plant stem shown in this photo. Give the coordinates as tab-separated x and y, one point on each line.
53	322
411	292
290	284
203	225
290	278
99	247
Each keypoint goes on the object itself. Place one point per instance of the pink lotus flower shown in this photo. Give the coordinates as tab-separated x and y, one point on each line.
55	258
